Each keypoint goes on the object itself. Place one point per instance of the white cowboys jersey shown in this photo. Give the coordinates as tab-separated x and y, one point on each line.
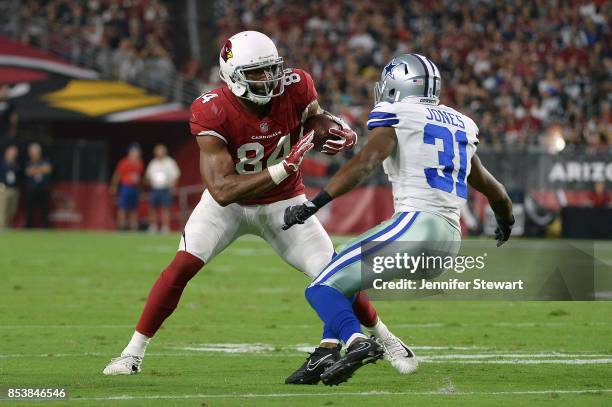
429	168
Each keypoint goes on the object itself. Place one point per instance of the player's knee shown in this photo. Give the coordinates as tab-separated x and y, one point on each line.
310	292
319	291
182	269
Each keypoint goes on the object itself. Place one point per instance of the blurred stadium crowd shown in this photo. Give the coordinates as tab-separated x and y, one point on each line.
521	68
517	67
127	40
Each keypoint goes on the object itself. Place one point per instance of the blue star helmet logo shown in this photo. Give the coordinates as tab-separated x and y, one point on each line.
391	66
389	69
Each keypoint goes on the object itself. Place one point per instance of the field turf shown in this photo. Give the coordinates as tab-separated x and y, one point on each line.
69	302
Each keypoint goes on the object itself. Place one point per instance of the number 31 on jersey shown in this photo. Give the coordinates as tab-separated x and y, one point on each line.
446	156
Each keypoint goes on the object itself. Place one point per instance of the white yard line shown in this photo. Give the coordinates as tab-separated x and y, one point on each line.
264	350
524	362
307	326
514	355
65	326
358	394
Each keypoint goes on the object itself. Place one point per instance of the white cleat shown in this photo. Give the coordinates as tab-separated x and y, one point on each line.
123	365
398	354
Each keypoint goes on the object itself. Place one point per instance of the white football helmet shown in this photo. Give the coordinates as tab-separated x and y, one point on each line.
250	51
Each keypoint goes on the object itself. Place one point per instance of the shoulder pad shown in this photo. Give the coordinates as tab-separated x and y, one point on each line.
384	114
299	81
208	110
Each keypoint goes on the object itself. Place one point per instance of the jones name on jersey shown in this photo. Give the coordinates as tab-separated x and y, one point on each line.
257	143
429	168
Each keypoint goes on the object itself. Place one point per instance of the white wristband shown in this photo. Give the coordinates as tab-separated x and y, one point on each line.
278	173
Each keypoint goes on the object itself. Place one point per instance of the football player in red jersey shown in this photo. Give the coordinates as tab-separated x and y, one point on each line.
251	148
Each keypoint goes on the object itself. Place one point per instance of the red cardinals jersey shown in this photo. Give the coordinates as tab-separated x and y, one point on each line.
257	143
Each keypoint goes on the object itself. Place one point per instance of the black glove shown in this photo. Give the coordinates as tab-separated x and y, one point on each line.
299	213
503	230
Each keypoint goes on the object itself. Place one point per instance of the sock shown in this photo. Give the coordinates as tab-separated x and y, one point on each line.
364	310
379	330
328	335
335	311
137	346
166	292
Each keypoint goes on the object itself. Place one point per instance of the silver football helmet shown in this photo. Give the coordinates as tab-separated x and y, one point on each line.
409	76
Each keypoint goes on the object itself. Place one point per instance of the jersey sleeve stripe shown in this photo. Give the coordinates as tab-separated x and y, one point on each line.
212	133
381	115
382	123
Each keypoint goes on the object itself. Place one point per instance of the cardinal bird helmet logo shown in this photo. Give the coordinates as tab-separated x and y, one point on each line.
226	51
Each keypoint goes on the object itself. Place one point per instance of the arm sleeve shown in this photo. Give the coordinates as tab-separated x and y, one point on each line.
207	117
383	115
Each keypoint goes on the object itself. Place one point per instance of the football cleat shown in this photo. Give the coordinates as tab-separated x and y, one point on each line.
123	365
316	363
398	354
361	352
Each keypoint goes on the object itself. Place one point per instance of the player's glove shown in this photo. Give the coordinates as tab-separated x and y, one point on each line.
292	162
298	214
503	230
348	138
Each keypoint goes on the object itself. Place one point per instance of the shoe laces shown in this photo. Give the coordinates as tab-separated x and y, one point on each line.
137	359
392	344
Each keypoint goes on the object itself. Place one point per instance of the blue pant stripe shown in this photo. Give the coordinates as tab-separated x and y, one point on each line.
369	251
336	256
373	237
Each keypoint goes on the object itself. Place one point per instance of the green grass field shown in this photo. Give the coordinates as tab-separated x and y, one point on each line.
69	302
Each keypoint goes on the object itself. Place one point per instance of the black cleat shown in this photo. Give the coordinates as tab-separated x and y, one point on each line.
316	363
361	352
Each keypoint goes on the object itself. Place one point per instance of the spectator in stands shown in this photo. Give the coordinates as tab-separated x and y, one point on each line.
162	174
8	115
38	172
9	187
126	181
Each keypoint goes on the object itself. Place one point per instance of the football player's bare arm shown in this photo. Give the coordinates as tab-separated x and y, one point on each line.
227	186
381	143
482	180
313	109
220	177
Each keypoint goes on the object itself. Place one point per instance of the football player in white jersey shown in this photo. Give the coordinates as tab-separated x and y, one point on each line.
428	151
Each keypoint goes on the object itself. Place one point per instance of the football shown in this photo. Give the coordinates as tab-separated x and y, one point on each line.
321	123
